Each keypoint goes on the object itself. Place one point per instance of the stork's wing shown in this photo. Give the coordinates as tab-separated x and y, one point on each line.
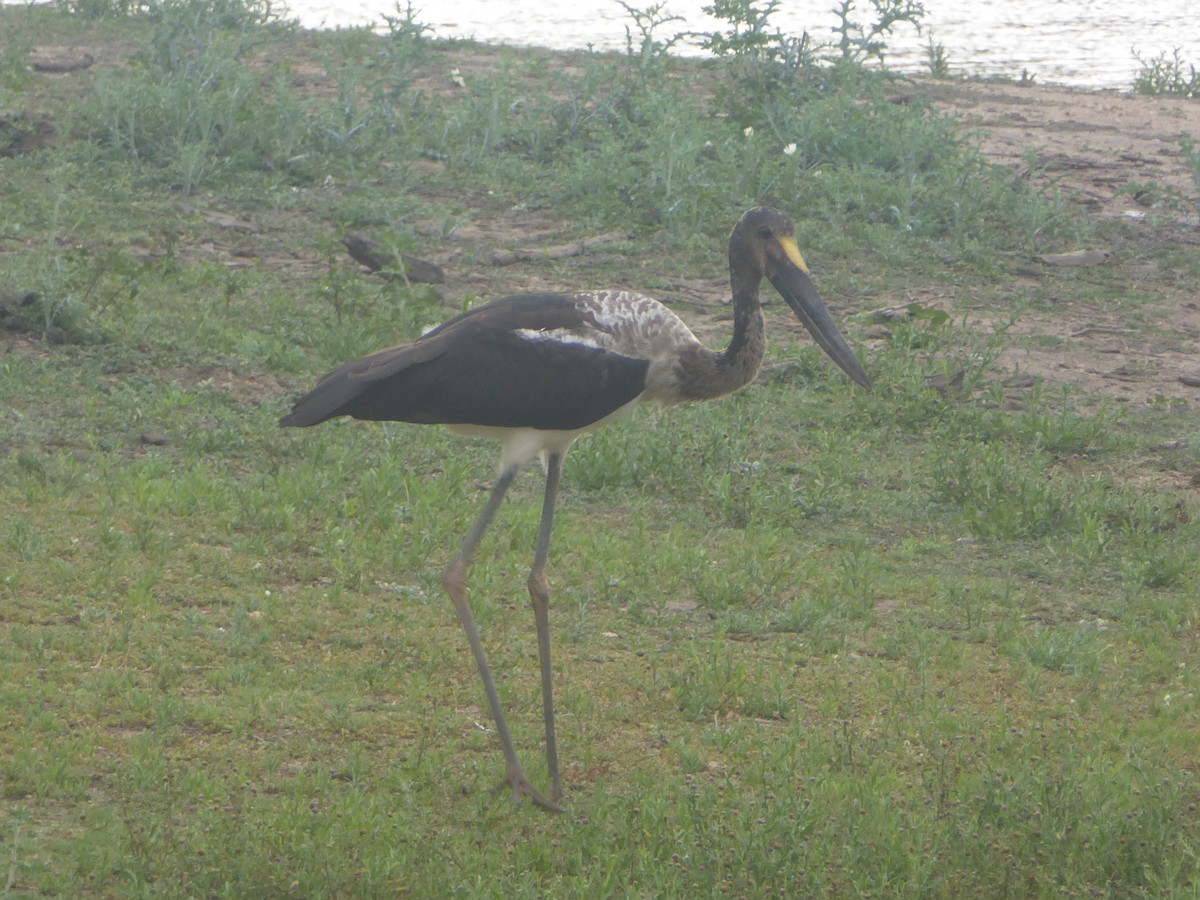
497	365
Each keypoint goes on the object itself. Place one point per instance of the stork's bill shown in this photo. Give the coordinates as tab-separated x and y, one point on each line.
788	273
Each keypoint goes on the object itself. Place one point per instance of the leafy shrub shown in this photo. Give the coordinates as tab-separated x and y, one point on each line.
1166	75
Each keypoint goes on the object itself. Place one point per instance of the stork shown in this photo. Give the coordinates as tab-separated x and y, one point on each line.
538	371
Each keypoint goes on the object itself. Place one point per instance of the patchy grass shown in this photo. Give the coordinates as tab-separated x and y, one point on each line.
807	641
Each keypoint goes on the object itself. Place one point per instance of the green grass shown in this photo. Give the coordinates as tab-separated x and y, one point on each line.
807	641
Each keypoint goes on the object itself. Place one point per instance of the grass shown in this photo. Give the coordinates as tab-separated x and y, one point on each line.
807	641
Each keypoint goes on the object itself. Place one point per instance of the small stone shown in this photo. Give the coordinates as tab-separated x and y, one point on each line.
154	438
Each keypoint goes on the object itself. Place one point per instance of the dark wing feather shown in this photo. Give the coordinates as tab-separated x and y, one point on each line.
338	388
476	370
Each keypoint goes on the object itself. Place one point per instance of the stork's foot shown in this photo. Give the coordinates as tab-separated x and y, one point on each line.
522	787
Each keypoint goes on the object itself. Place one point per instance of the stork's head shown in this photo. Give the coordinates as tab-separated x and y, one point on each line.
763	245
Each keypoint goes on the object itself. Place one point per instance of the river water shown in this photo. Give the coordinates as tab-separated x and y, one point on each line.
1087	43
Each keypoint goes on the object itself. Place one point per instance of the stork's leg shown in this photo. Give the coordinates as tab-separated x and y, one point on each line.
454	579
539	594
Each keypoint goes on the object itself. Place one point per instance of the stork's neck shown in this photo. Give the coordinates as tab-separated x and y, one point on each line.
715	374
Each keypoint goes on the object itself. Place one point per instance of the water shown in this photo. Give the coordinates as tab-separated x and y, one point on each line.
1087	43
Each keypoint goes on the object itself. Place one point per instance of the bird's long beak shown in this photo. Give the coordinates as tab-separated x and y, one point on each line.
790	277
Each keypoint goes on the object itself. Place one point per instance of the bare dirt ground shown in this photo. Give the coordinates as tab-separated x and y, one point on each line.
1119	156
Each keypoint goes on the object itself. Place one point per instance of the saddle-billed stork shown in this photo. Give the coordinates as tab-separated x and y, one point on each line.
538	371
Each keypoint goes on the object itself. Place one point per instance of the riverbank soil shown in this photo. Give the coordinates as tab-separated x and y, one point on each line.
1118	155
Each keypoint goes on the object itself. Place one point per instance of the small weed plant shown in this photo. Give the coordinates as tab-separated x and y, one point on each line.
1167	74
